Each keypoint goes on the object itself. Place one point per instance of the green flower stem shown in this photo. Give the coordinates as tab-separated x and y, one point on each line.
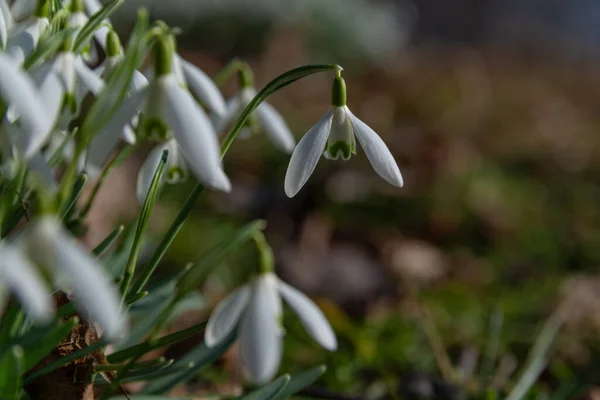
266	260
227	71
142	223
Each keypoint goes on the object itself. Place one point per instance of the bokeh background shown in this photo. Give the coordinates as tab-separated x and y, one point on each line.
439	289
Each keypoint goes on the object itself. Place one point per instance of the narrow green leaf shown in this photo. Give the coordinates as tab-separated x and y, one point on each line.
215	257
142	223
201	356
75	193
301	381
142	365
162	398
41	343
94	23
269	391
130	352
11	374
53	366
47	46
57	156
537	358
105	244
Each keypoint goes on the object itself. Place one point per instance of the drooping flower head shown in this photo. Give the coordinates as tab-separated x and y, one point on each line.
334	137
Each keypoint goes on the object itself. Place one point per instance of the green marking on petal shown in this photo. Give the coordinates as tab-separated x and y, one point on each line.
175	174
340	148
155	128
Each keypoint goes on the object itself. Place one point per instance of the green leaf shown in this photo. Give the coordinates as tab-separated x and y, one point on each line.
142	223
75	193
105	244
215	257
41	342
301	381
269	391
201	356
161	398
130	352
11	373
47	46
94	23
117	85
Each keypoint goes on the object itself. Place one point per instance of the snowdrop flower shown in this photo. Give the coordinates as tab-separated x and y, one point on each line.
28	108
256	310
264	118
170	109
335	136
24	37
197	82
5	23
21	9
77	17
92	7
18	274
48	244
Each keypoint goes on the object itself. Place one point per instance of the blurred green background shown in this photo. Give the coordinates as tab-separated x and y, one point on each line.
439	289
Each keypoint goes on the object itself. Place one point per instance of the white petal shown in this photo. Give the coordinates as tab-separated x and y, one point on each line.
91	286
260	338
21	9
311	316
377	152
92	6
51	89
3	30
203	88
105	141
232	110
88	78
18	90
306	155
225	316
148	170
177	71
195	135
275	127
129	134
17	272
138	80
8	19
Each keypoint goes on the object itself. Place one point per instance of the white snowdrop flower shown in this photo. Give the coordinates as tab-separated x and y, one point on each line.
77	16
26	107
17	273
255	309
48	244
264	118
175	170
170	109
24	37
92	7
6	14
201	86
334	136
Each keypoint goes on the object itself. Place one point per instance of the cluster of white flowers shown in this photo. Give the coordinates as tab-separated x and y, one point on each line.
179	108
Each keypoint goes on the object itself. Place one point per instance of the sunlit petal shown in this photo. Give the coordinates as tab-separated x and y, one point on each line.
377	152
225	316
88	78
194	134
260	338
275	127
311	316
8	18
21	9
3	30
18	90
18	274
306	155
91	286
203	88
